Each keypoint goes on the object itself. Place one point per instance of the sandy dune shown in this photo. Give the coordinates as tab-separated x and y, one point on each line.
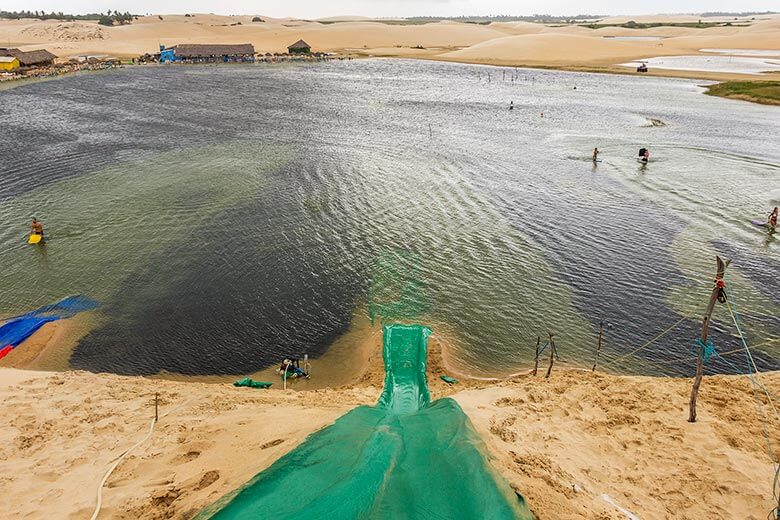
503	43
562	442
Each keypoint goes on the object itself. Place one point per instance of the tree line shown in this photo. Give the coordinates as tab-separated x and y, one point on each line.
109	18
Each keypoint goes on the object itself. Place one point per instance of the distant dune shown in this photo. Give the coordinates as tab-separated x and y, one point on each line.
499	43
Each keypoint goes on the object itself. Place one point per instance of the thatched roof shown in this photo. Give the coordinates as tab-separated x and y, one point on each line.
193	50
36	57
29	57
300	44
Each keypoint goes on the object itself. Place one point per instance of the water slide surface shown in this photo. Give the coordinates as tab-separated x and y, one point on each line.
404	458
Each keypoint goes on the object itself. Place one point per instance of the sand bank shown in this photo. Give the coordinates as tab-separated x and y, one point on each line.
562	442
511	44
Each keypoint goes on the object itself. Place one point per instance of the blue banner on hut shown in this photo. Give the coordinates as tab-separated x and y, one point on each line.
197	53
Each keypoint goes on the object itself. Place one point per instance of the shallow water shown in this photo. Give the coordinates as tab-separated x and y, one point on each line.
745	52
738	64
228	216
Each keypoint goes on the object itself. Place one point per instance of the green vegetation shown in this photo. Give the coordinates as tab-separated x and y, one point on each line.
116	18
636	25
765	92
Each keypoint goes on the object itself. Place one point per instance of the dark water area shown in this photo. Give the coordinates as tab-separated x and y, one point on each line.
228	216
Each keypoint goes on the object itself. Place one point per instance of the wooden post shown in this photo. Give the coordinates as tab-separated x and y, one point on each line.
705	326
156	403
552	355
598	348
536	357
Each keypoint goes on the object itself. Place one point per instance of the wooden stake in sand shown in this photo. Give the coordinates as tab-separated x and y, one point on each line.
552	355
598	348
705	326
536	357
156	404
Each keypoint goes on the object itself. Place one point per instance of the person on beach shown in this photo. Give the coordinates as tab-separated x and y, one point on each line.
772	220
595	154
36	228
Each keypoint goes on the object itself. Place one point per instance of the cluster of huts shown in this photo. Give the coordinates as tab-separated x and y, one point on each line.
17	64
228	53
12	60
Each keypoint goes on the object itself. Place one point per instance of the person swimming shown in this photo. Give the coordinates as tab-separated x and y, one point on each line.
644	154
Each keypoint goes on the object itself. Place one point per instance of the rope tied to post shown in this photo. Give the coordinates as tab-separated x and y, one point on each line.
721	285
705	350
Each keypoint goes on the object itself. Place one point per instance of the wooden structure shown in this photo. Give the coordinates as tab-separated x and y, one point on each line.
717	292
8	63
299	47
210	53
39	58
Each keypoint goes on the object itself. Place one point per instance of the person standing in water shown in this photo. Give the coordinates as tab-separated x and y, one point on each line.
511	105
595	154
36	228
772	220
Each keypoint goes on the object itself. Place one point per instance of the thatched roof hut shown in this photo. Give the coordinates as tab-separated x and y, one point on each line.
30	58
299	47
195	50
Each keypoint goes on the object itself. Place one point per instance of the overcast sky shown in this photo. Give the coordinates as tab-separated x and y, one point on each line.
380	8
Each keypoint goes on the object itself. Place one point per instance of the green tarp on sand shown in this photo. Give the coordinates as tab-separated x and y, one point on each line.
403	459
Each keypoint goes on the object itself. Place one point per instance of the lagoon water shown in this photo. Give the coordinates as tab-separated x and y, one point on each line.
228	215
742	64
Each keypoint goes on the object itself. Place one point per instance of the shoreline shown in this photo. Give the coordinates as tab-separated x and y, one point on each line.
718	78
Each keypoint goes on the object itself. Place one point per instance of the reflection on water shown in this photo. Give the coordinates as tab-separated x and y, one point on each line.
240	214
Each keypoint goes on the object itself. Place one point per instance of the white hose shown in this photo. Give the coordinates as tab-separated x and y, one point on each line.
121	457
113	467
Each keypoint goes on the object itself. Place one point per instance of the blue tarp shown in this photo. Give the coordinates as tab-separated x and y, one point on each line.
18	329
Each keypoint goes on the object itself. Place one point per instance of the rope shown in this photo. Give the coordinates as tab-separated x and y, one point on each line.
121	457
751	361
755	381
656	338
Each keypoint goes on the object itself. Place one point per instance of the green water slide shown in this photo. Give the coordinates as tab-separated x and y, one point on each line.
406	458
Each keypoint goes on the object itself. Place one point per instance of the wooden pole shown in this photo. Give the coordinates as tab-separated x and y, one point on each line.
598	348
705	326
536	357
552	355
156	403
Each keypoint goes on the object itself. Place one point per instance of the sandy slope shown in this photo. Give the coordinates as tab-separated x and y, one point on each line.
626	437
509	43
